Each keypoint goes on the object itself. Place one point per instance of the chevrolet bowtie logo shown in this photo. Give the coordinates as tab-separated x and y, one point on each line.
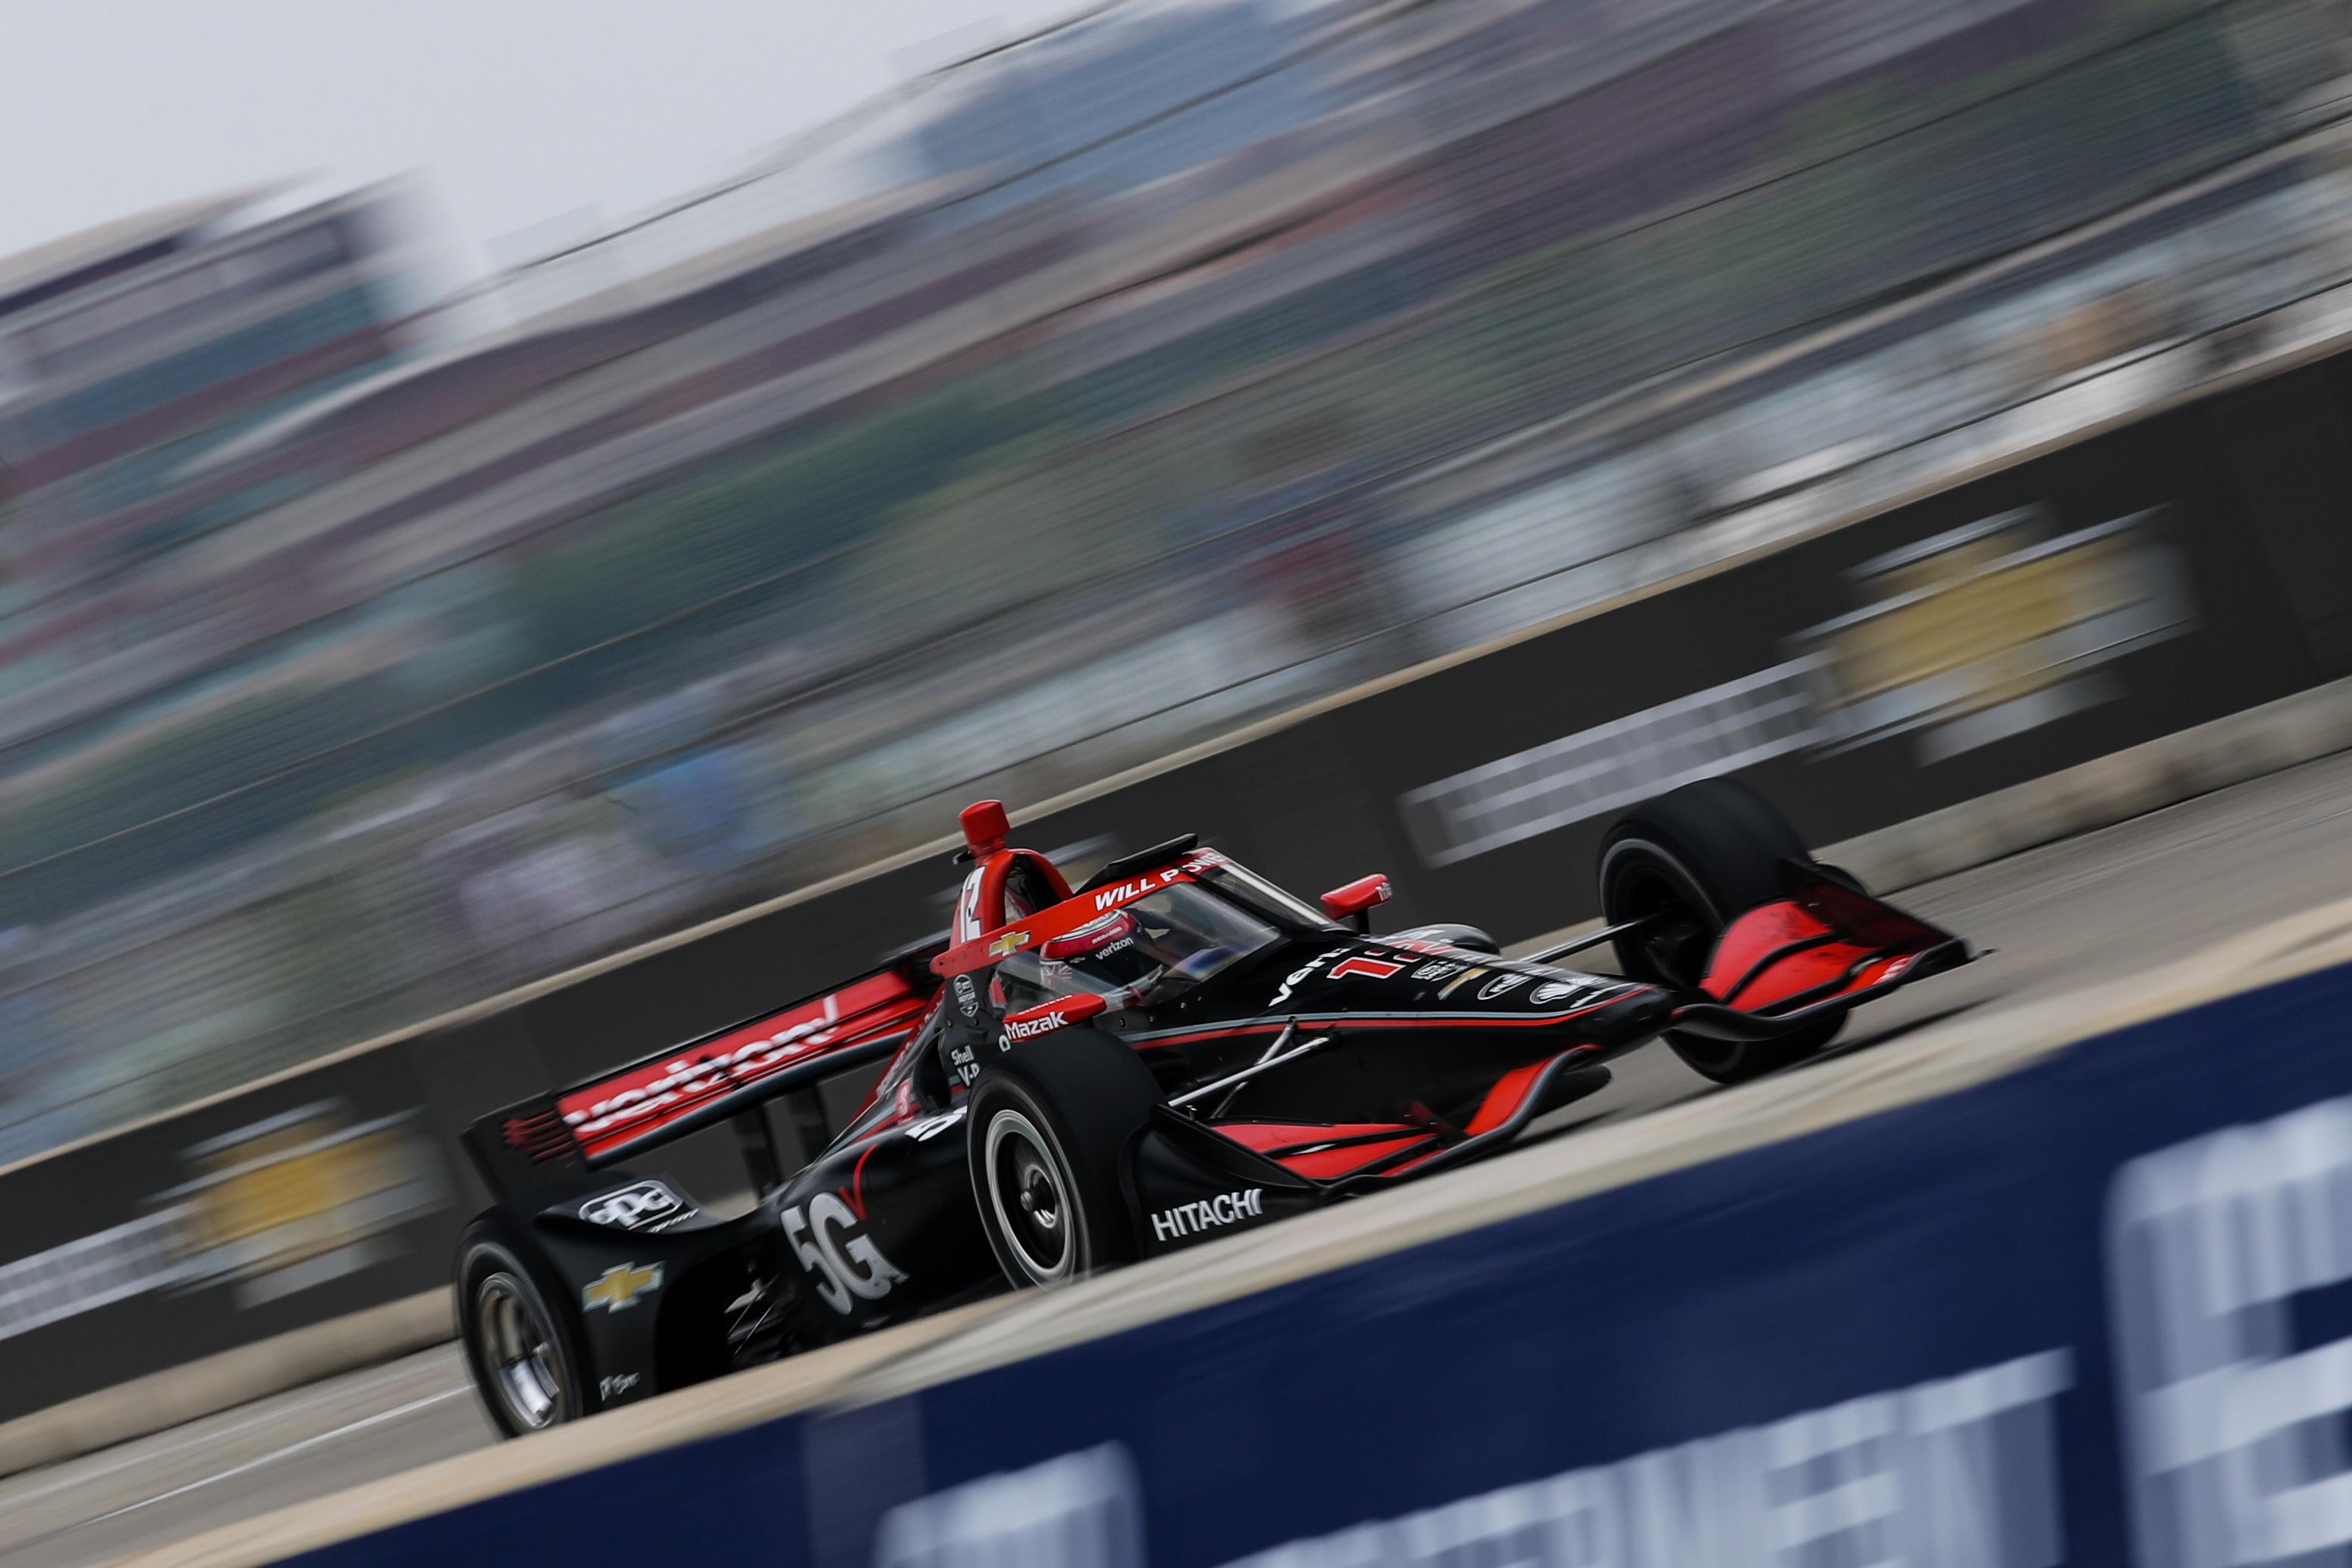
620	1287
1008	942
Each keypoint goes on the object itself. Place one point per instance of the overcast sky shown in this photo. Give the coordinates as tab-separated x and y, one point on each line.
514	113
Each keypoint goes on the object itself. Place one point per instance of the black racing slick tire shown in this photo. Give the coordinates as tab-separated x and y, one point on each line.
522	1338
1051	1125
1690	862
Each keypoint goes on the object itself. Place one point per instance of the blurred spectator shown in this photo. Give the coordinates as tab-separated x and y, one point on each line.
1402	328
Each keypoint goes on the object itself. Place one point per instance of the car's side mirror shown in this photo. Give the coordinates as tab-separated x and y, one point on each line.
1352	905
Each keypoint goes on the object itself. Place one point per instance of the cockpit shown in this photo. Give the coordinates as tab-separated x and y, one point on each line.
1148	951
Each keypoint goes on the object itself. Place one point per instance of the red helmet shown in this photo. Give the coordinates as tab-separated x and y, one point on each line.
1095	937
1108	954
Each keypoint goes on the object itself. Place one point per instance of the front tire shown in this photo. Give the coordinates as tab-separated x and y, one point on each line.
1690	862
514	1317
1050	1127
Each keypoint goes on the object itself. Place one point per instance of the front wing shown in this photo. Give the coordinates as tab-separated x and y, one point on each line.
1780	968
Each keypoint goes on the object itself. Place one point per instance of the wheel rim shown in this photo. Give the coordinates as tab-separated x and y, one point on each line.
1673	945
518	1345
1673	949
1031	1199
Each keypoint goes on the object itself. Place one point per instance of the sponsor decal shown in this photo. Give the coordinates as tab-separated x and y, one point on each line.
1010	942
95	1270
1967	1465
1080	1510
1997	627
967	995
829	1239
300	1198
1552	991
640	1206
1445	993
1297	977
2227	1262
1501	985
617	1289
964	1062
1210	1213
271	1209
606	1113
1030	1028
1611	767
930	1127
620	1383
1439	971
1986	631
1371	968
1112	898
1463	956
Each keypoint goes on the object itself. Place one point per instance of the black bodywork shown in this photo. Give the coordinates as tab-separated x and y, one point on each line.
1432	1050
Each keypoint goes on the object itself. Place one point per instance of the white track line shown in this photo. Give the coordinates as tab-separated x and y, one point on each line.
277	1454
139	1451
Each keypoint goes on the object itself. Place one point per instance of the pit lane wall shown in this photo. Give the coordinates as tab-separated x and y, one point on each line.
2166	573
2094	1311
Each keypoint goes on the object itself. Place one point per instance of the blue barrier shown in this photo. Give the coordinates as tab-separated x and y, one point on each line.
2096	1312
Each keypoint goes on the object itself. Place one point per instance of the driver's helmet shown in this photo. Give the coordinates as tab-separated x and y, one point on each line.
1113	954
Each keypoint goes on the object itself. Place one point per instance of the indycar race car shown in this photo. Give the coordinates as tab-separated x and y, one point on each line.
1072	1079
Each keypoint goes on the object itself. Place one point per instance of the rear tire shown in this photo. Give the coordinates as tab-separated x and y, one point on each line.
1694	860
1051	1125
522	1342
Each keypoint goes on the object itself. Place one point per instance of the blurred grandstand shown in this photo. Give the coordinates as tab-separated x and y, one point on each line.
1090	396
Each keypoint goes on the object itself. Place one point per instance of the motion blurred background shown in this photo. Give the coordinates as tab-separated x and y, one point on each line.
368	648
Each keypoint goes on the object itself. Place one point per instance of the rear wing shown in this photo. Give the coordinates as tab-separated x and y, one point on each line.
657	1099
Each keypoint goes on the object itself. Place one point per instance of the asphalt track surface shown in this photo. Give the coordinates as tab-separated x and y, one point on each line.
2087	910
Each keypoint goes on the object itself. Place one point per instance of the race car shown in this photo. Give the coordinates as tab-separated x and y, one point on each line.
1072	1079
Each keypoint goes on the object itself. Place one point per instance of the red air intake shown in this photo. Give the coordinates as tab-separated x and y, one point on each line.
985	826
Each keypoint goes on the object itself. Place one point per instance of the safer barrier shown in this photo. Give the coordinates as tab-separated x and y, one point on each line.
2089	1311
2181	566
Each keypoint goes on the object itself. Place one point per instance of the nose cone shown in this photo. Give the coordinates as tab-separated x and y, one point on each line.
1378	978
1639	1014
1624	1019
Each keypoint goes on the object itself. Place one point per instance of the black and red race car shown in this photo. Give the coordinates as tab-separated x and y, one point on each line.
1075	1077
